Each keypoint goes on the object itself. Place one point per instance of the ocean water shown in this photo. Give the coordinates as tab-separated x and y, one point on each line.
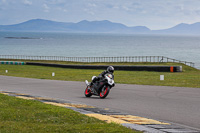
184	48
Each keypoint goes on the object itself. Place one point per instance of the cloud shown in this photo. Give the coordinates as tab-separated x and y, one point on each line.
56	2
126	8
88	11
46	8
92	5
27	2
62	9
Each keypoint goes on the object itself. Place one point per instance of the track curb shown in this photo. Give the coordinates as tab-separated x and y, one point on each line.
134	122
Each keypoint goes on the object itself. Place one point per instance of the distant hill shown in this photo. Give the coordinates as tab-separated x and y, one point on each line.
182	29
36	25
104	26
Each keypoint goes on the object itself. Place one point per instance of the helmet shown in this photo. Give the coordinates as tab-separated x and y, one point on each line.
110	69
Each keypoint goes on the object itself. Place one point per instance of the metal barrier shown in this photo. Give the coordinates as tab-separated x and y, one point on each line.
99	59
125	68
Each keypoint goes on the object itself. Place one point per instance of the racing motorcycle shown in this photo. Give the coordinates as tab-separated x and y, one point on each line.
101	87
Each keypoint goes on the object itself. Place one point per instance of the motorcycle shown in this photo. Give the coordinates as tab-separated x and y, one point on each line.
101	87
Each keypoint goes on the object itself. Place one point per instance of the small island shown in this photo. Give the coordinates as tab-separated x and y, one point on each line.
21	38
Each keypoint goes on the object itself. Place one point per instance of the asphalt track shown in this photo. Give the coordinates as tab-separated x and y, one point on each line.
171	104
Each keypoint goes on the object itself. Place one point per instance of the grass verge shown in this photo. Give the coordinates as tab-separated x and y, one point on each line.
19	115
190	77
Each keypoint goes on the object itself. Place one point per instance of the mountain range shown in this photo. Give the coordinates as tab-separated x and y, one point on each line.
105	26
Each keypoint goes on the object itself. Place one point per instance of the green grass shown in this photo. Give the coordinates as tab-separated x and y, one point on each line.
190	77
24	116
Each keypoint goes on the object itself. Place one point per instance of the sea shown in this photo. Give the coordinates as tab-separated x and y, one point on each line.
184	48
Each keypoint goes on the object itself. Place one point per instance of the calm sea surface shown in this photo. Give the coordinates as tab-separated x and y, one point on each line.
185	48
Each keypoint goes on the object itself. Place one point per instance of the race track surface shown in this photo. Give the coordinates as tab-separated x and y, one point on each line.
172	104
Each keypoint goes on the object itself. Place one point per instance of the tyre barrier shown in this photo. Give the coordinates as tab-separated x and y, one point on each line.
12	63
104	67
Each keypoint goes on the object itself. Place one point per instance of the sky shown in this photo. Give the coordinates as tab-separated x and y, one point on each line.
154	14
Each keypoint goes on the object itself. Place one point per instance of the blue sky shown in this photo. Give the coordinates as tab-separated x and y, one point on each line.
155	14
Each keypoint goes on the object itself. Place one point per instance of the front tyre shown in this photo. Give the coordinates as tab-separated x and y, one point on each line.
104	92
88	92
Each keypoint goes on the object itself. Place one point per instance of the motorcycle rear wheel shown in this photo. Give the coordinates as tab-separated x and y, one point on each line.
88	93
104	92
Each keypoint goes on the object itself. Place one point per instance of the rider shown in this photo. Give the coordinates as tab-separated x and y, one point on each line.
110	69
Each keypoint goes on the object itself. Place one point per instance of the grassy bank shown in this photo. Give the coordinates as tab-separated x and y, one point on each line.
190	77
18	115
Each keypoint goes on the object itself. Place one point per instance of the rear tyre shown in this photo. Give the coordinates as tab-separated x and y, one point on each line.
104	92
88	92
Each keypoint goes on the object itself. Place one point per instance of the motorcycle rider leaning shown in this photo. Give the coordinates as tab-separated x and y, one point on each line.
110	69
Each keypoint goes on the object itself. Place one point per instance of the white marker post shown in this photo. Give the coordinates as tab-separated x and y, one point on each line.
6	71
161	77
53	74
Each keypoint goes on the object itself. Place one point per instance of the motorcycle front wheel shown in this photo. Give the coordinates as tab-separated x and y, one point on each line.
104	92
88	92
